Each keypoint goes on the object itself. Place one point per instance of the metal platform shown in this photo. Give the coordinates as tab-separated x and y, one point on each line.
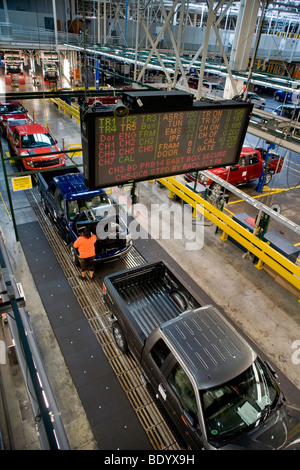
122	413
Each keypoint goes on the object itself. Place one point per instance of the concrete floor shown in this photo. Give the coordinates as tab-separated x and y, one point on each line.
266	311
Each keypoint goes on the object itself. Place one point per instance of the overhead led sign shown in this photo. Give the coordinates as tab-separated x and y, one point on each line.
149	145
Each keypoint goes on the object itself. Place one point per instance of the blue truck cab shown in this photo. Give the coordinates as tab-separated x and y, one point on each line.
72	206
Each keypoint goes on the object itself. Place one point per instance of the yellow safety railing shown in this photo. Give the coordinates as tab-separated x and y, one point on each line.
264	253
67	108
75	150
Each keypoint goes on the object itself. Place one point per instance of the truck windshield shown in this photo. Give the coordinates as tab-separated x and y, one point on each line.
240	403
99	205
12	108
36	140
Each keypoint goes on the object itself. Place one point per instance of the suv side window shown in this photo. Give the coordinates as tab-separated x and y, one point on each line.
60	202
16	138
183	388
52	189
160	352
253	159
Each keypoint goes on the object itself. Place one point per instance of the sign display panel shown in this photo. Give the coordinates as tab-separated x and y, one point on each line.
142	146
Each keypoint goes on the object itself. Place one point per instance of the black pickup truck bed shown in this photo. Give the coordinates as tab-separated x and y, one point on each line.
152	296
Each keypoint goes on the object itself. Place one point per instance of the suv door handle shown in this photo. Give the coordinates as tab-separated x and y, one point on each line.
162	391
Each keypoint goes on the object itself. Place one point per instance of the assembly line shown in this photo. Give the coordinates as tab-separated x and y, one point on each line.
261	307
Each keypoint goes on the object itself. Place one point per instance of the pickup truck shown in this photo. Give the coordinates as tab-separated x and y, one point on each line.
30	141
50	72
10	112
14	72
72	206
214	388
208	88
249	167
287	96
289	111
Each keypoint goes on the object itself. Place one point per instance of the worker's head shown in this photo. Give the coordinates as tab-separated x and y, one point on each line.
86	232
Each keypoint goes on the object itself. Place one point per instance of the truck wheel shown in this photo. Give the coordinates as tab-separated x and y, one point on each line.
119	338
43	204
74	256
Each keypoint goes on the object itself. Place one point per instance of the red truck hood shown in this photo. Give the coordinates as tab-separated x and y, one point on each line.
40	150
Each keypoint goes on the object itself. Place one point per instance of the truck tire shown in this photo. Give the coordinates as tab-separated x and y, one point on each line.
43	204
119	338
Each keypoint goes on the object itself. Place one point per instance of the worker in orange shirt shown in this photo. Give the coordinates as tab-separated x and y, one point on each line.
86	247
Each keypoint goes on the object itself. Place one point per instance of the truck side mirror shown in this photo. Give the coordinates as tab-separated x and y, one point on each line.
188	419
272	370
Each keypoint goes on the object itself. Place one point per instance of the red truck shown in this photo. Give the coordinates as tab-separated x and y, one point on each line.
10	112
248	168
14	73
29	141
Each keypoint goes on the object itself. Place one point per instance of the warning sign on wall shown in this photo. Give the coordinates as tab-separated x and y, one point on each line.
22	182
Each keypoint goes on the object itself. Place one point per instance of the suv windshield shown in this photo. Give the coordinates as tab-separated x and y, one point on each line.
240	403
99	205
36	140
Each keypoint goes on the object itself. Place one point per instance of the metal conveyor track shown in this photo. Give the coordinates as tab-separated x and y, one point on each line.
89	296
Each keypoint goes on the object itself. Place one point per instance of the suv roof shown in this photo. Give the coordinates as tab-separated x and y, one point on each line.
72	184
211	348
